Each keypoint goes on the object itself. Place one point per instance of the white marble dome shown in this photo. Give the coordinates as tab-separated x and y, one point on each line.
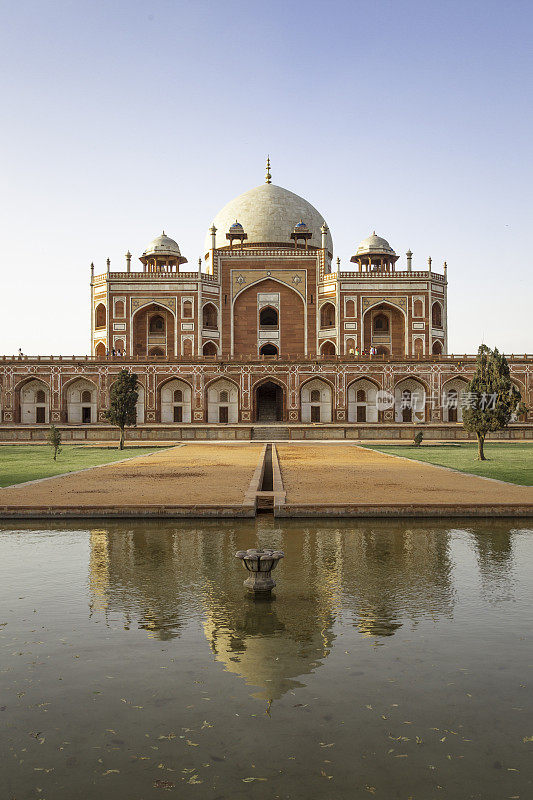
162	246
269	215
374	244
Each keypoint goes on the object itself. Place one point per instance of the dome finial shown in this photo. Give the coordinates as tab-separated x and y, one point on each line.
268	177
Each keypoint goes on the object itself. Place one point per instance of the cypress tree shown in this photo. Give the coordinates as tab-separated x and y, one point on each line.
491	399
123	398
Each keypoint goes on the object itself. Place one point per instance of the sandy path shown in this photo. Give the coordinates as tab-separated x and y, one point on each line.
203	474
348	474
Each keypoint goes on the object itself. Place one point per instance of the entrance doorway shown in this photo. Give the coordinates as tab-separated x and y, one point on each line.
85	414
269	402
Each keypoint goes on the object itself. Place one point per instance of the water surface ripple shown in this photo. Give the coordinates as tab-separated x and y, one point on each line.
395	661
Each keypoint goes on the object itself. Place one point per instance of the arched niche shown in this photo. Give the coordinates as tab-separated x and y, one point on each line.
100	350
268	349
384	326
81	397
100	316
362	402
316	407
410	401
210	316
436	315
327	349
176	401
222	401
153	331
327	315
34	403
452	407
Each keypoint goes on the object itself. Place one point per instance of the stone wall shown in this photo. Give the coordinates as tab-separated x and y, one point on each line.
431	375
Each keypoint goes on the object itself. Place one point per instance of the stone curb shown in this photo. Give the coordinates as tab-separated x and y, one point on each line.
280	494
250	498
126	512
400	511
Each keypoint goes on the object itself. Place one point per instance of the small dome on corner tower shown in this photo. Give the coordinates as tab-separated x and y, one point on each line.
163	246
374	244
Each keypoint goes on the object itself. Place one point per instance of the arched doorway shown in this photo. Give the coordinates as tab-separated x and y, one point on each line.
269	402
268	350
327	349
209	349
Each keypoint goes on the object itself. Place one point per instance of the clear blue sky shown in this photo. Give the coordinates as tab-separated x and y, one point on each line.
120	119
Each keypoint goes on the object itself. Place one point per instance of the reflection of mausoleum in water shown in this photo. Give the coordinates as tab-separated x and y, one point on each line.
163	579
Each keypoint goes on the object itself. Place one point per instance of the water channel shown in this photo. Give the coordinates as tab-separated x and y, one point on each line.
395	661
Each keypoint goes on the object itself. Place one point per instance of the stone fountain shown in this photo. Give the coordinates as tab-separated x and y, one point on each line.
260	564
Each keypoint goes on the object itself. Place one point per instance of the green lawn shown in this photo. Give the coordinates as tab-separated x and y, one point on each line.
506	462
20	462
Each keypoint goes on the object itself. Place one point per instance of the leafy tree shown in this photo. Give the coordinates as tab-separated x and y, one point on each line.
491	400
54	440
123	397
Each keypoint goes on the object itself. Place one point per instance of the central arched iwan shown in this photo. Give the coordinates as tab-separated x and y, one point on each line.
246	319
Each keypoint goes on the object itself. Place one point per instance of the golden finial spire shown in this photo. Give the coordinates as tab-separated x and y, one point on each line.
268	177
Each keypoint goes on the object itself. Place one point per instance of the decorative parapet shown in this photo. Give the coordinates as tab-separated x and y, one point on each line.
154	276
390	276
526	359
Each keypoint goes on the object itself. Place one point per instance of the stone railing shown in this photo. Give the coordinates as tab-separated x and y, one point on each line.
159	275
402	274
290	357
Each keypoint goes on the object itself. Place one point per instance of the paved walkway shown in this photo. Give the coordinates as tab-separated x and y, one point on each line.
185	475
347	474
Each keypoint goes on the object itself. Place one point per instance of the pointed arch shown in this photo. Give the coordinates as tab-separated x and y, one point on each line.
393	335
100	316
100	350
452	407
222	400
328	348
436	314
175	400
269	399
210	348
316	409
210	316
153	325
81	408
410	400
327	314
362	400
32	401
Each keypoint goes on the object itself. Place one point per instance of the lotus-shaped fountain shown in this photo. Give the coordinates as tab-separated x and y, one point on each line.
260	564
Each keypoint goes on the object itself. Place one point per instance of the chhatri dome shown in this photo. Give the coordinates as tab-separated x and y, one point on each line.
269	214
374	245
163	245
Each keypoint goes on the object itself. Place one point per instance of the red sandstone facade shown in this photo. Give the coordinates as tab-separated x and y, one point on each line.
265	329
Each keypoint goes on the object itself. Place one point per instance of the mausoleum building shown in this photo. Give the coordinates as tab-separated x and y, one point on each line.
266	327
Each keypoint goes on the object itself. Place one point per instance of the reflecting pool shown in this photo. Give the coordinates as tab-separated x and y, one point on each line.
395	661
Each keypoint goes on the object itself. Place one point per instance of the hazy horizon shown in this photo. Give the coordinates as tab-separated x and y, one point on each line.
124	119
